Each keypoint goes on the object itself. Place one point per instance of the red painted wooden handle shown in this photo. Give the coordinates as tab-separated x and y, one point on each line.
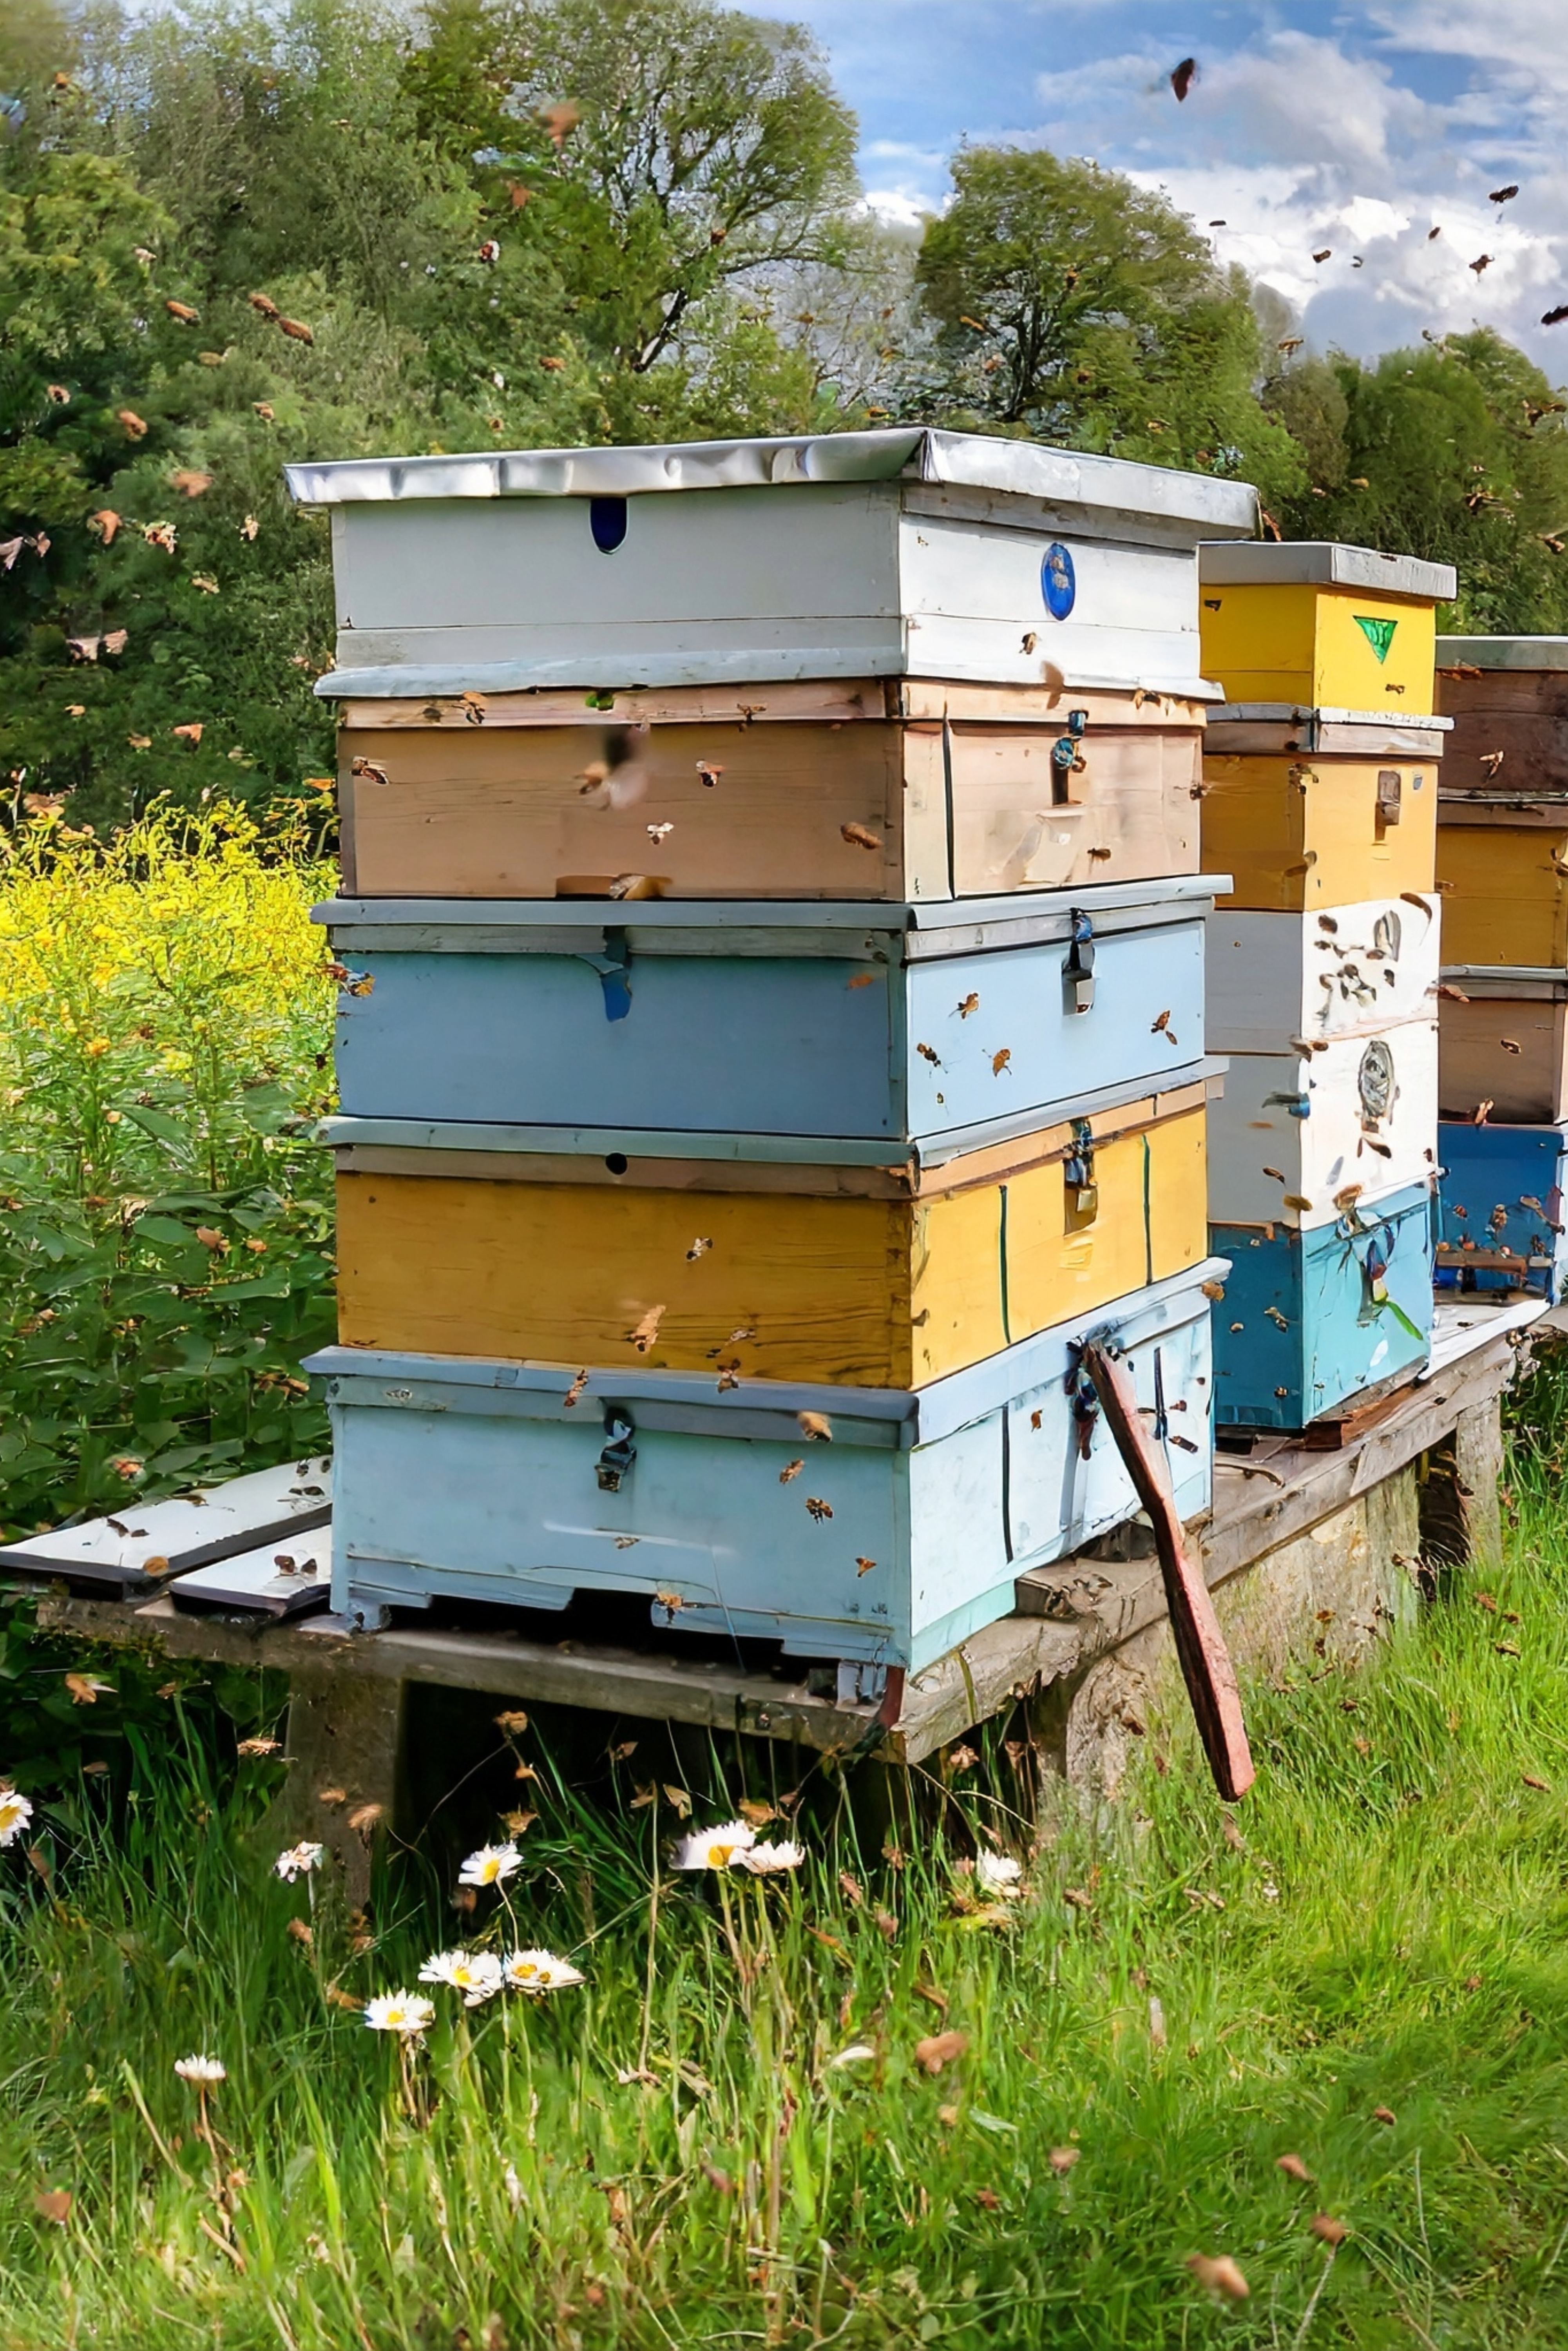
1205	1661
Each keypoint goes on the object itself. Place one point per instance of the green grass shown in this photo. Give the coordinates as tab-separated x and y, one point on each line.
1389	1928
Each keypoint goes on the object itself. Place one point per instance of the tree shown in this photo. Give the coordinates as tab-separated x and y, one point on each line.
1457	452
1067	302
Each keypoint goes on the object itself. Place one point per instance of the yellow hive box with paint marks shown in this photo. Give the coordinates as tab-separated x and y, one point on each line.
1503	873
1321	625
1309	830
858	1275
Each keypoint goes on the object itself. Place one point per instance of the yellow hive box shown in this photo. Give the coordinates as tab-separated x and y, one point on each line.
1504	877
1321	625
847	1277
1299	834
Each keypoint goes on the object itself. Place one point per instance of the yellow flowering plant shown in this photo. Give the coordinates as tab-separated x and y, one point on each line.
165	1220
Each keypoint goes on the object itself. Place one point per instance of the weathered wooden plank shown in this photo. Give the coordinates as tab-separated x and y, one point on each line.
154	1540
802	810
1200	1648
1511	728
864	1292
1506	1049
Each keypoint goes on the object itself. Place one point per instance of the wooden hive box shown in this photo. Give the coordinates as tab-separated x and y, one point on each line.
1502	867
852	1523
888	788
1501	1207
1298	1138
1322	625
888	554
1502	1040
1507	699
846	1276
1312	1317
1306	832
1272	979
770	1029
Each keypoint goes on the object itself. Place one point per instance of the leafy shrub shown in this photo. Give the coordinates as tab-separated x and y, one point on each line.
166	1220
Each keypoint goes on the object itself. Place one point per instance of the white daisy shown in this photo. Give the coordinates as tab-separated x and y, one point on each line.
539	1971
998	1873
475	1974
15	1812
762	1860
715	1849
204	2071
398	2012
490	1865
297	1862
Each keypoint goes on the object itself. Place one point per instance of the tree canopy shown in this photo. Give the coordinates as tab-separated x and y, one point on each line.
232	234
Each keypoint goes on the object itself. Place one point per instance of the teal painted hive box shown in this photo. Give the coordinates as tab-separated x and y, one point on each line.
872	1526
871	1023
1310	1318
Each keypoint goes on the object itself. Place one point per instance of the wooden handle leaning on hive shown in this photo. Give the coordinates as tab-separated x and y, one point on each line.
1204	1660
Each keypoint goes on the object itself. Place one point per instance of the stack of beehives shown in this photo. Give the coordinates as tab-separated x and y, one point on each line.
1320	799
772	1035
1502	862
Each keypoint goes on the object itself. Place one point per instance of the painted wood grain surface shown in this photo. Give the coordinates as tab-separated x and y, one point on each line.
874	1293
821	579
893	810
1304	643
1310	1318
1506	1048
813	1044
1510	729
1502	1190
1370	1127
1306	834
839	1549
1346	970
1505	884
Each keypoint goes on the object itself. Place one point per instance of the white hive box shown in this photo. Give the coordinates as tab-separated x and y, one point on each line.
1345	971
883	554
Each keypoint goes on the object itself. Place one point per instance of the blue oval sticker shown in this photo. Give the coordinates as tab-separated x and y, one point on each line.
1057	583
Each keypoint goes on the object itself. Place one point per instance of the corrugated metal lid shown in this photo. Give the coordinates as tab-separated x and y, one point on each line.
1324	563
1503	652
1029	469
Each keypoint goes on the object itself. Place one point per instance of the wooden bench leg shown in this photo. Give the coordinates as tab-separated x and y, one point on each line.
343	1746
1461	1511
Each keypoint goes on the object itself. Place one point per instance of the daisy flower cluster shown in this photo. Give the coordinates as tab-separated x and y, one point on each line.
734	1845
478	1975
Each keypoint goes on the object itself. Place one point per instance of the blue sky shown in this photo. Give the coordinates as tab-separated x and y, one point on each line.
1358	129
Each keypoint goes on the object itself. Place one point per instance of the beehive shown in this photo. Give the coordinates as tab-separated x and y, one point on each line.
1503	1042
1346	969
849	1523
844	1276
1500	1206
878	789
1503	873
1313	1317
800	1023
1506	699
1322	625
858	555
1296	1137
1306	833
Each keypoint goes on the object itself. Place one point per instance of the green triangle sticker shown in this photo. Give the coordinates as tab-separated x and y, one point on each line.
1379	634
